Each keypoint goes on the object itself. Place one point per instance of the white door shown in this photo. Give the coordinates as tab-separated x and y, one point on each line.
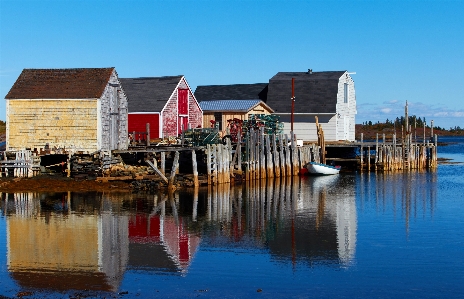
346	128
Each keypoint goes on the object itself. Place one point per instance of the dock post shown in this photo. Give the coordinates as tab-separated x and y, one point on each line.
287	157
219	162
361	153
238	152
195	170
163	162
276	157
208	162
251	159
282	157
215	164
295	156
262	163
368	158
269	161
175	165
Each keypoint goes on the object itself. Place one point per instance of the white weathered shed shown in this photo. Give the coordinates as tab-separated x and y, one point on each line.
328	95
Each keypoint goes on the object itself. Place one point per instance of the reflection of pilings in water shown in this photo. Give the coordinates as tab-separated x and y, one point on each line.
208	205
320	208
24	204
406	188
269	199
173	207
195	204
262	201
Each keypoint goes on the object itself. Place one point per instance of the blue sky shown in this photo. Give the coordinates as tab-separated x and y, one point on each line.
400	50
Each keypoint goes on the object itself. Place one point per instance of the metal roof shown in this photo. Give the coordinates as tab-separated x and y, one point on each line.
231	105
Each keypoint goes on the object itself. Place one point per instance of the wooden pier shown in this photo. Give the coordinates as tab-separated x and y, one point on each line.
259	156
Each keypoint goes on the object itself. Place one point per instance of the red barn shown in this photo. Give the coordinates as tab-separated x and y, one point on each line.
166	103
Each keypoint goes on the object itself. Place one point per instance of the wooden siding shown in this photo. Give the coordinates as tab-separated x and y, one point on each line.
86	125
346	111
113	124
170	113
304	126
208	116
66	123
195	113
169	116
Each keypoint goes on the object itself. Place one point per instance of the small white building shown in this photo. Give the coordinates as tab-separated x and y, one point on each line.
328	95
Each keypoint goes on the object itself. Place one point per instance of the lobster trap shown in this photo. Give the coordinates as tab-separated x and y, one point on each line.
270	123
201	136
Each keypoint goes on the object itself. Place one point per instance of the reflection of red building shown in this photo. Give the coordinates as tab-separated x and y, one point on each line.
160	242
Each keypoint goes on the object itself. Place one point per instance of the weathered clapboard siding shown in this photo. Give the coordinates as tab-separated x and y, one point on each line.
195	113
304	126
170	117
69	109
112	120
61	123
346	111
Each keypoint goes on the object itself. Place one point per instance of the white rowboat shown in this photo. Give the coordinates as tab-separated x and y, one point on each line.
322	169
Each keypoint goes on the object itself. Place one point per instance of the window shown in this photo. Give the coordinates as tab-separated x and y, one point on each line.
345	93
218	119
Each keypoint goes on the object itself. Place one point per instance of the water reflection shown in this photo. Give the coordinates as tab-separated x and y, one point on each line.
87	241
407	194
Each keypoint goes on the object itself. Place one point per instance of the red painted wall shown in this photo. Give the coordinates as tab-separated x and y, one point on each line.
137	122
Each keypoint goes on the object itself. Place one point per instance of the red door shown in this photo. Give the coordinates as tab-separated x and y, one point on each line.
182	101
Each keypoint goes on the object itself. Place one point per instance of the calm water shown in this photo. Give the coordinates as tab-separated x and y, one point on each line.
347	236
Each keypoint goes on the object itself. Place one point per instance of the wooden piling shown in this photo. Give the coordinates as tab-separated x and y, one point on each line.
195	170
282	155
288	169
163	162
175	165
269	160
262	163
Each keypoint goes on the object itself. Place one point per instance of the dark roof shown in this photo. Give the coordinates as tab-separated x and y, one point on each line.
315	92
230	105
149	94
80	83
231	92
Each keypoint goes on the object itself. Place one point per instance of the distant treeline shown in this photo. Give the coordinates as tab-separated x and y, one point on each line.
413	121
